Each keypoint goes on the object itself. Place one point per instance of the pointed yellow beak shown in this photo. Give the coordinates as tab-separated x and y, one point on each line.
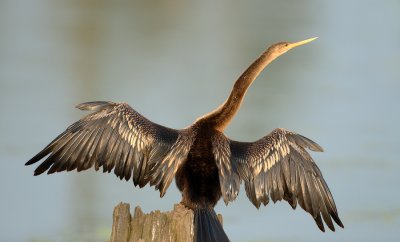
295	44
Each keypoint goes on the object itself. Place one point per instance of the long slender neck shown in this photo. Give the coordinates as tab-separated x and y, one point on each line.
222	116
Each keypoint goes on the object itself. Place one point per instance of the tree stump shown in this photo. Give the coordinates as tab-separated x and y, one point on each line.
175	225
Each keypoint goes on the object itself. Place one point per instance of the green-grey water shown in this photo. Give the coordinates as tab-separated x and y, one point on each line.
174	61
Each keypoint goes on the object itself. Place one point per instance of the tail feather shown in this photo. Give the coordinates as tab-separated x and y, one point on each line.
207	227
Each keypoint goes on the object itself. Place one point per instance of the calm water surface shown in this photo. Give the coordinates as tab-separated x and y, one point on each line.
174	61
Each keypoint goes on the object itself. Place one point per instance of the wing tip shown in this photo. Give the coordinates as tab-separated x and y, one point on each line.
338	221
306	142
320	224
38	156
38	172
96	105
317	148
330	225
30	162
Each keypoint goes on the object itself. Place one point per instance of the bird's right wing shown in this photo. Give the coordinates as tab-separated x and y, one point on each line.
117	137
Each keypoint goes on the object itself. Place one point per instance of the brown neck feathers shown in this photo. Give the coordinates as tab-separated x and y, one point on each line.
222	116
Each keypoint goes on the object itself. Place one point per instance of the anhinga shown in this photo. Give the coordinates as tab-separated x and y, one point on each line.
205	163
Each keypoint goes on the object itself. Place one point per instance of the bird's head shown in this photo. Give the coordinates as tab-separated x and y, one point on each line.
282	47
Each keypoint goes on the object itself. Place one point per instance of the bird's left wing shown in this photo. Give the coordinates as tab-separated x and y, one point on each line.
278	167
116	137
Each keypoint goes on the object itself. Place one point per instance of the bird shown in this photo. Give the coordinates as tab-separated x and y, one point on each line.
206	164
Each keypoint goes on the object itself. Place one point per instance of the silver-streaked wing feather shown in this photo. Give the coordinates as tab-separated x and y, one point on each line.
276	167
116	137
229	177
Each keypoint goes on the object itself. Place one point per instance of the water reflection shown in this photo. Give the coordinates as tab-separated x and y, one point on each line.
174	61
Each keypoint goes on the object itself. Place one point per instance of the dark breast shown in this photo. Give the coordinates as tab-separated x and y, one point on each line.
197	178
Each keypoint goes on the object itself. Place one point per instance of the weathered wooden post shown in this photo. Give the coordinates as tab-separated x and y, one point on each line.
174	226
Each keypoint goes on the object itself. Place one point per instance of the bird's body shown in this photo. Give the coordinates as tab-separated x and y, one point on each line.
205	163
197	178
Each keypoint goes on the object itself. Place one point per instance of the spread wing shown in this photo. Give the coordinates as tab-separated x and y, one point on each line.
116	137
276	167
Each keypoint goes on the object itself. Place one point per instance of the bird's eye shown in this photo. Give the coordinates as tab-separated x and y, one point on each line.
286	44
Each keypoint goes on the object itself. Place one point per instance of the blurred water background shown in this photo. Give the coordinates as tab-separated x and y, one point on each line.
173	61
